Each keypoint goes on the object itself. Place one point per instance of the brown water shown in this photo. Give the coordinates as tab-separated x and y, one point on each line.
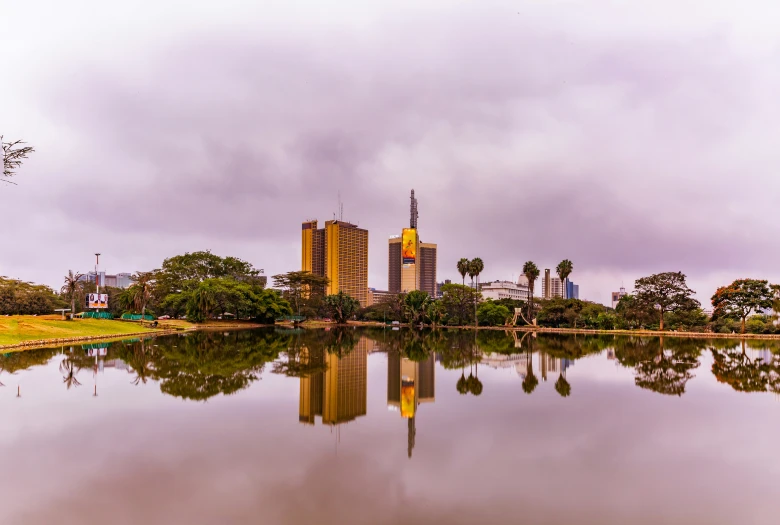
381	427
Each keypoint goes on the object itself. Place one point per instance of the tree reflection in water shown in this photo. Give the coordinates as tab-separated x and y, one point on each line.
661	364
734	367
200	365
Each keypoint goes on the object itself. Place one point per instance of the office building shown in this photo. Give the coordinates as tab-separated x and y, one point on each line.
572	290
504	290
412	263
439	293
379	296
551	285
616	296
339	251
338	391
120	280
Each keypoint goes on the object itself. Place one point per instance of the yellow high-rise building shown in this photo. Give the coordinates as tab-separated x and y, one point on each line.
339	252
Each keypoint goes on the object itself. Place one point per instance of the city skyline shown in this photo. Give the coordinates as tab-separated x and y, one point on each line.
631	141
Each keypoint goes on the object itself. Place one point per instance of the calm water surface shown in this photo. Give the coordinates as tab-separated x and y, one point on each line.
382	426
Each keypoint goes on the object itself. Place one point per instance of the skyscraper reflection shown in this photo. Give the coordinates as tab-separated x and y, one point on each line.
410	383
337	391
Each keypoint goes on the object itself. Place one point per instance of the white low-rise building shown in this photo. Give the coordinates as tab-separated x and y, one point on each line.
504	290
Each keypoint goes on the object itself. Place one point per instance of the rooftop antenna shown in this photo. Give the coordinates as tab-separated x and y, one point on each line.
413	214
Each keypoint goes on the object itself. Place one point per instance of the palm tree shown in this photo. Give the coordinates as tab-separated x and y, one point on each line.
140	293
463	269
71	288
531	272
475	268
415	304
564	269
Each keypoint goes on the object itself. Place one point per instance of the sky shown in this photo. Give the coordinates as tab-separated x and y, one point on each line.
629	137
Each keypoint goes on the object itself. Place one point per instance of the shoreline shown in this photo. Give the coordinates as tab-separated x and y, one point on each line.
582	331
34	344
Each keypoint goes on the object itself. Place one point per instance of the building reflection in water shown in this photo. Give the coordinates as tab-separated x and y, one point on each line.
410	383
547	364
337	393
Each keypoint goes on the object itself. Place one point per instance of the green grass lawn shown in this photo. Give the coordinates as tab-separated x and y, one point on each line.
19	328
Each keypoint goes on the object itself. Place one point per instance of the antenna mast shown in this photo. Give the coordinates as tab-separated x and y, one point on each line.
413	214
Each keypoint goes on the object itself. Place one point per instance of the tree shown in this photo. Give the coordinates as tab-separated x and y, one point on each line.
564	269
456	301
434	312
475	268
463	269
301	288
269	305
341	306
140	292
415	305
634	314
491	314
182	274
531	272
225	295
13	155
71	289
665	292
23	298
741	298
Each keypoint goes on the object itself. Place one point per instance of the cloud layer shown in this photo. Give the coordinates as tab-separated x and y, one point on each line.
629	142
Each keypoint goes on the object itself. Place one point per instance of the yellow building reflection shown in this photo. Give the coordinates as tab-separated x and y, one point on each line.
409	384
337	393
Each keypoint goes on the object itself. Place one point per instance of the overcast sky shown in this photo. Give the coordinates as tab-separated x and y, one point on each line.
629	137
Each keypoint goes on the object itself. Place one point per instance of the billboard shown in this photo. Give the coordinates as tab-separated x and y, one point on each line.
97	300
409	246
407	398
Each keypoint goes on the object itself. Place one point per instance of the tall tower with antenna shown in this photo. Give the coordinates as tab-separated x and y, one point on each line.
413	213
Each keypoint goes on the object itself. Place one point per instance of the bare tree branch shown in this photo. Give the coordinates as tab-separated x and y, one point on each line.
13	154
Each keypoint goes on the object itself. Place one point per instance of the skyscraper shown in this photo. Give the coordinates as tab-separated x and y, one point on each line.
339	252
411	263
551	286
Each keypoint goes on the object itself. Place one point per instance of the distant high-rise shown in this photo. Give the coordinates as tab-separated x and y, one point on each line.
120	280
572	290
411	263
339	252
551	286
617	296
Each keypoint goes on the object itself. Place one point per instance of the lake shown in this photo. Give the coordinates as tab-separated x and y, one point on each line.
381	426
